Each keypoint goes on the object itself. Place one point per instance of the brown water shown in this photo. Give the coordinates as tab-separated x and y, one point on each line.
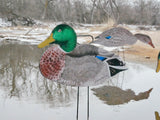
26	95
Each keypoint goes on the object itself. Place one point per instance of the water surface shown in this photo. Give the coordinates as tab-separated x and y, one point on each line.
26	94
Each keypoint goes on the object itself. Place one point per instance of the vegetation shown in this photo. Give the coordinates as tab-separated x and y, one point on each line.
89	11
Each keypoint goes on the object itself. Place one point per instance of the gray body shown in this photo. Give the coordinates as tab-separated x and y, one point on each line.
119	37
86	49
84	71
82	68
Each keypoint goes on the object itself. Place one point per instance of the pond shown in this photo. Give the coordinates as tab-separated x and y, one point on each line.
26	94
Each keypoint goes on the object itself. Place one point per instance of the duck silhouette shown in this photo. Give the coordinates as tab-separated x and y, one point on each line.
113	95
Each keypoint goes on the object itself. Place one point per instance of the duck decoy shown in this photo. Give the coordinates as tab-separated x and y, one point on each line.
75	65
65	60
158	63
157	117
119	36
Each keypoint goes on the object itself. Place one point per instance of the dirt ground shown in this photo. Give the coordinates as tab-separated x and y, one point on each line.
143	53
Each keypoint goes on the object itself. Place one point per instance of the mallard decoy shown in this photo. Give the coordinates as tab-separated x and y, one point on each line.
119	36
71	64
74	65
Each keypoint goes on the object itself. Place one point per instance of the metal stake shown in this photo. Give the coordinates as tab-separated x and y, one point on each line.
77	102
88	103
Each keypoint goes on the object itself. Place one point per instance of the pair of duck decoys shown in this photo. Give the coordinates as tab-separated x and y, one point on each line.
119	37
84	65
77	65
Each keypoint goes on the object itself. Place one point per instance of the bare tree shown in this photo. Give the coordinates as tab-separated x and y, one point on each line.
95	11
45	9
92	9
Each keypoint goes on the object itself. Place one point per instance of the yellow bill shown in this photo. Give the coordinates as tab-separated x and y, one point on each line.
47	41
158	66
157	115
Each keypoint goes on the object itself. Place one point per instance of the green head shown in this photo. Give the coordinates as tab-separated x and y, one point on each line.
64	36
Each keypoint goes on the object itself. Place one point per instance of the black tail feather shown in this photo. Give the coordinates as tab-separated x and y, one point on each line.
114	71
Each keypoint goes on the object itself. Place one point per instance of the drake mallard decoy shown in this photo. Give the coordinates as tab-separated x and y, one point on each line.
71	64
75	65
119	36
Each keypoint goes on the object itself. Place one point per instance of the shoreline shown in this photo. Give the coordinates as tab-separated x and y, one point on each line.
141	55
137	53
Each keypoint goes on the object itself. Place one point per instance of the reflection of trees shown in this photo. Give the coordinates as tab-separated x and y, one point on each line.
112	95
20	76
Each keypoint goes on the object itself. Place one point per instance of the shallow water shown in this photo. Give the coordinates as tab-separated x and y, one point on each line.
25	94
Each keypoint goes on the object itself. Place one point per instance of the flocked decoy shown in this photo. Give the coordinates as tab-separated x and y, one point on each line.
75	65
119	36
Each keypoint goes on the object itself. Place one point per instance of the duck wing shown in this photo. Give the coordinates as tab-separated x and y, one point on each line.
84	71
115	37
82	68
89	50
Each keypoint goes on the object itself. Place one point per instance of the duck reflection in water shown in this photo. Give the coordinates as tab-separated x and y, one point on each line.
112	95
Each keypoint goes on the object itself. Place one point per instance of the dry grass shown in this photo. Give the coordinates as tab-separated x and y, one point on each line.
105	26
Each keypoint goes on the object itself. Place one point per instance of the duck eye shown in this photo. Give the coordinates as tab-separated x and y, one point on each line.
59	30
